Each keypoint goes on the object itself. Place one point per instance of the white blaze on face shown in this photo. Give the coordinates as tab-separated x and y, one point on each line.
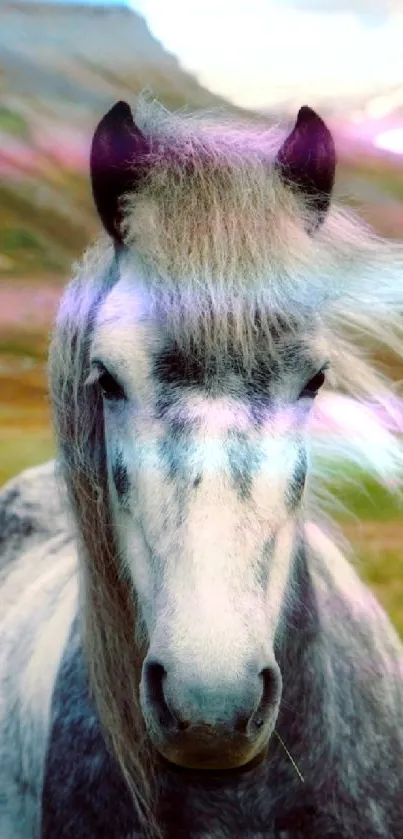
226	587
205	531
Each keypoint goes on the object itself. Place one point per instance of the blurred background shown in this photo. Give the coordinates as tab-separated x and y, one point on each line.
63	64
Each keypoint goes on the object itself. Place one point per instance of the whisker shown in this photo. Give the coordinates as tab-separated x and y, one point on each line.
301	777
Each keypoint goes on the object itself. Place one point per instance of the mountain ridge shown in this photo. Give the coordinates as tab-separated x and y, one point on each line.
61	67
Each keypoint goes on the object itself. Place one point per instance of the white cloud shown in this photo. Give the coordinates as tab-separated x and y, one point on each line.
363	7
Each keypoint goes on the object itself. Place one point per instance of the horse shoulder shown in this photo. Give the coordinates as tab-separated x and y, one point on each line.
32	508
38	600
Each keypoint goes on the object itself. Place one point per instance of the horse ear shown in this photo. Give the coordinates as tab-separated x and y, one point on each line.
118	152
307	161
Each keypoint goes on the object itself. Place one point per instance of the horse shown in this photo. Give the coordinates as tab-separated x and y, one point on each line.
186	647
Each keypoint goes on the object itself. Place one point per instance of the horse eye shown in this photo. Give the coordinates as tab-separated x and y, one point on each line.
111	389
313	386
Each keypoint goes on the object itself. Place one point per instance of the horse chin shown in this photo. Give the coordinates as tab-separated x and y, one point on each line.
209	766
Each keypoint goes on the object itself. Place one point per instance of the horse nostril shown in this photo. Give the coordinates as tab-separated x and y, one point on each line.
270	684
242	722
271	679
154	677
197	705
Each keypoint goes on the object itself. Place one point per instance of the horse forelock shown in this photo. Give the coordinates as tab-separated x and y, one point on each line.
215	227
222	240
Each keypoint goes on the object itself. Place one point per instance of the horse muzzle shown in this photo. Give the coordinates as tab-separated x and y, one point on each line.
195	724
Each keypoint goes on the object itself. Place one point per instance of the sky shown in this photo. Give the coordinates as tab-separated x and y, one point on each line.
259	53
